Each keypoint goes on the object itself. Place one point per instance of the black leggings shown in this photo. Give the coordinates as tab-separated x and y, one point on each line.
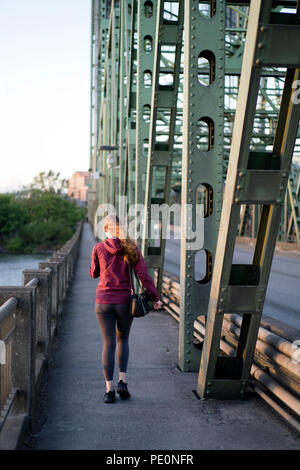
115	322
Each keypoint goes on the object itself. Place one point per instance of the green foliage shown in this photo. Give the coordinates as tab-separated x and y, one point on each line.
14	245
37	219
47	234
49	182
13	215
45	205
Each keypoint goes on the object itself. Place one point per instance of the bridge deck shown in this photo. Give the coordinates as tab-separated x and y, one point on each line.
163	413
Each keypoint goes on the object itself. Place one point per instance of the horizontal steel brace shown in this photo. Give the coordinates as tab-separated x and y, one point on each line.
274	46
165	98
171	34
240	299
260	187
225	389
160	158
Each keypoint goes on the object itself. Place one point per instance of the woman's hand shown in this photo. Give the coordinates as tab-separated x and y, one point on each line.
158	305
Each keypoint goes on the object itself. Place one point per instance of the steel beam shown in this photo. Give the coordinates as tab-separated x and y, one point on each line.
251	178
129	176
168	43
146	27
202	173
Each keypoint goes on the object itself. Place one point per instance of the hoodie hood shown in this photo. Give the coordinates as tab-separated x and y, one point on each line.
113	246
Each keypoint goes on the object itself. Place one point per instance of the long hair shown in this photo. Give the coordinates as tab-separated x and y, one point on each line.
112	222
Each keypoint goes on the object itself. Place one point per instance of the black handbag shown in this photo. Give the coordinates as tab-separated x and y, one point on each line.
138	305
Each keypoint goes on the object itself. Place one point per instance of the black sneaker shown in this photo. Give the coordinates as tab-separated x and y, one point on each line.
110	397
122	390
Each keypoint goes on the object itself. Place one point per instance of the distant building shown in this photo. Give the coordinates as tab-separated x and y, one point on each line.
78	185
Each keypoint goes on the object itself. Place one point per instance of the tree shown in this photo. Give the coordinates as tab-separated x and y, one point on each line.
46	205
52	220
13	216
49	182
39	217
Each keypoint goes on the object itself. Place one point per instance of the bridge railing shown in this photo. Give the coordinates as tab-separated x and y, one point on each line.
7	327
275	370
29	318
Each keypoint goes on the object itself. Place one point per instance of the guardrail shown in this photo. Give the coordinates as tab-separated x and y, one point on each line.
276	367
29	318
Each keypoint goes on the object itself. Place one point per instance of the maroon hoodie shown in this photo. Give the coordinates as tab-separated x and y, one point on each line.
108	262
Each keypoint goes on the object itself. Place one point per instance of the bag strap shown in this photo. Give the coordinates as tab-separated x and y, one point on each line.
131	268
137	278
131	280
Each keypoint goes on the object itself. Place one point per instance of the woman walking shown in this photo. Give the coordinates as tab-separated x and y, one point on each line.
110	260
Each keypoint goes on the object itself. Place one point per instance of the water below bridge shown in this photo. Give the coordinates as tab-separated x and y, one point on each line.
11	267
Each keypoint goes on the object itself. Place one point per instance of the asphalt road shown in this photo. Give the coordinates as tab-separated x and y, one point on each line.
283	293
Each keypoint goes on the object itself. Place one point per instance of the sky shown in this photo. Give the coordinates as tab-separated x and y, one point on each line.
44	89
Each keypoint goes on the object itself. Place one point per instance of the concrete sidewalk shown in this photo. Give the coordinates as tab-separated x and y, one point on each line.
163	413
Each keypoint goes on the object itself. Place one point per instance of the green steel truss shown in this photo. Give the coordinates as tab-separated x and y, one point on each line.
253	177
146	40
165	81
168	43
202	159
136	32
